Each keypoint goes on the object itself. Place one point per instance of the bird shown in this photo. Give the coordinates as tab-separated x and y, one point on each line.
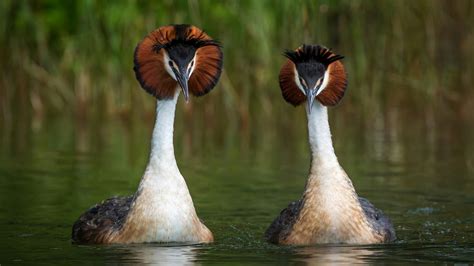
171	59
329	211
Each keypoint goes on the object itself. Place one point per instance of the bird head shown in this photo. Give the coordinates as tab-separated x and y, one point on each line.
178	56
312	72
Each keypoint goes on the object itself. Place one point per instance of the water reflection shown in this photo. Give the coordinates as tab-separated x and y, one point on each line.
329	255
158	254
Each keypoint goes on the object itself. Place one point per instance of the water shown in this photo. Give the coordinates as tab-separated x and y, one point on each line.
420	171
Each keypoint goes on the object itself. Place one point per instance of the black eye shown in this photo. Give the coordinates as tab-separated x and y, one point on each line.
170	63
192	63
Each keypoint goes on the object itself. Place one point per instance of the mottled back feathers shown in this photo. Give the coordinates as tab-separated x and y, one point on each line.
98	223
282	225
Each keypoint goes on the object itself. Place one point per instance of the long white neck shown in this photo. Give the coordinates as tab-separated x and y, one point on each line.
162	209
162	149
322	151
330	198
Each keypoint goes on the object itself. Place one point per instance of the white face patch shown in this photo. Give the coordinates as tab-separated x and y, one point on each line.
297	81
325	82
192	65
321	88
167	61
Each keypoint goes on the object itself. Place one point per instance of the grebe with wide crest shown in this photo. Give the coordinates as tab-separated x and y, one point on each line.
330	211
167	61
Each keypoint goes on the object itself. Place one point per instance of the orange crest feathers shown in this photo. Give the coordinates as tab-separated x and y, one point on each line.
208	70
149	57
289	90
336	87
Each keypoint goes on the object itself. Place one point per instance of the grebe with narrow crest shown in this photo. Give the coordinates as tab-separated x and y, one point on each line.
167	61
330	211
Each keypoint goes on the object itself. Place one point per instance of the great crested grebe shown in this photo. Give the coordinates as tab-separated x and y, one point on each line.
168	60
330	210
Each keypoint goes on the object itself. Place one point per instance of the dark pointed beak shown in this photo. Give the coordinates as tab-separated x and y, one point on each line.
310	96
182	78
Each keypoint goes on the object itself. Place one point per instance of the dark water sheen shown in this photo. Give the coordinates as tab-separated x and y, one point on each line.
420	173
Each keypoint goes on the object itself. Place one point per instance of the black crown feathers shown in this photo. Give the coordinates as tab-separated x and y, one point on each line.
309	53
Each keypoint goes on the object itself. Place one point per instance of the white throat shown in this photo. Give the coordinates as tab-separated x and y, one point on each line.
162	149
319	134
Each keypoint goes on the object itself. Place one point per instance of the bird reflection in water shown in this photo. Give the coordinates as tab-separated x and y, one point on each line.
330	255
159	254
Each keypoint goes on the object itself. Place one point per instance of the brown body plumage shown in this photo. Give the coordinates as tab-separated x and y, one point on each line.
330	210
168	60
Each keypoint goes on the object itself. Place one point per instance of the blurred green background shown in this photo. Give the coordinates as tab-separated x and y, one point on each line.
75	57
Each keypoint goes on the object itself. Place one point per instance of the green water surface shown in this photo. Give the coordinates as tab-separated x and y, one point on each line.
420	174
